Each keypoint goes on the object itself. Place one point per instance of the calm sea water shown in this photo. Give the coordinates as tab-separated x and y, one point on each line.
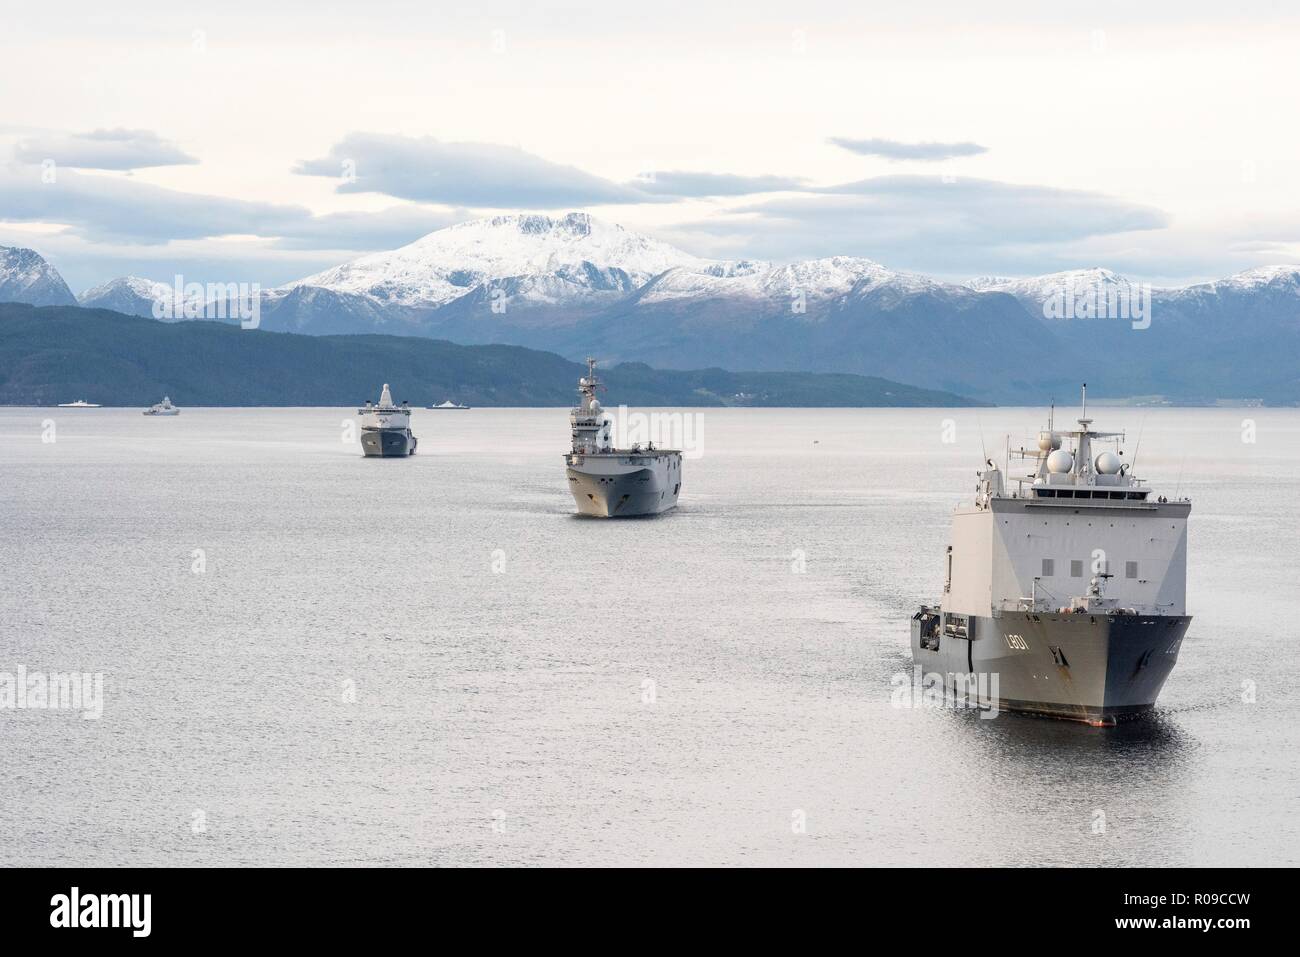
433	661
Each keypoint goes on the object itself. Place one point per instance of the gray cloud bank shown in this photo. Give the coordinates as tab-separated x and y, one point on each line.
428	170
117	149
898	150
109	209
928	224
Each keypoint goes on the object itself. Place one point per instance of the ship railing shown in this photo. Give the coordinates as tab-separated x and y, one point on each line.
1017	604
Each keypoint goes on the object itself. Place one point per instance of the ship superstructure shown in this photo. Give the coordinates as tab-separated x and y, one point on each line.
164	407
1066	593
609	482
386	428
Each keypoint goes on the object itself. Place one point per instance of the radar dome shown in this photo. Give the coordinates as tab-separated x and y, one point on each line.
1108	463
1048	441
595	405
1060	461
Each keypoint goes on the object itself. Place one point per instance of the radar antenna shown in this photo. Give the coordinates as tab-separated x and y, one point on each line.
1138	447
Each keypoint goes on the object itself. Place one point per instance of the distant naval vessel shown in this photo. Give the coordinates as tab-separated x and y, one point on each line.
609	482
1066	596
386	428
164	407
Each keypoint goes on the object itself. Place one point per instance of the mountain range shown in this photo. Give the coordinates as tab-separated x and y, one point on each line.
53	354
25	276
577	285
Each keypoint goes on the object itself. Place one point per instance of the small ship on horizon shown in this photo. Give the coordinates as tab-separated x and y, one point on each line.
1067	595
608	482
164	407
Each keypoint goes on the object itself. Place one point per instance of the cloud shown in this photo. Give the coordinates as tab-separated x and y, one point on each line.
927	224
84	265
683	185
990	210
383	229
463	174
110	209
897	150
506	177
117	149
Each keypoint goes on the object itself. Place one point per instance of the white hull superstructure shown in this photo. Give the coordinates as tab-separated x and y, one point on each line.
616	483
164	407
386	428
1068	594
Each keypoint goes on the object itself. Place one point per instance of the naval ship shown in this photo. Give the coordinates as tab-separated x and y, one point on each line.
386	428
607	482
1065	596
164	407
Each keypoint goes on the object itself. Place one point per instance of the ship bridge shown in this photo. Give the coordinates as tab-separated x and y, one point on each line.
385	414
590	426
1067	468
1075	530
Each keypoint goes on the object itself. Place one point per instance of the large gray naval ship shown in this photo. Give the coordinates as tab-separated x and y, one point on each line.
386	428
609	482
1066	595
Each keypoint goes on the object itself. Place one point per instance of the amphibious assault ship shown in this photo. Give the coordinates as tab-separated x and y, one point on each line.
1065	596
386	428
609	482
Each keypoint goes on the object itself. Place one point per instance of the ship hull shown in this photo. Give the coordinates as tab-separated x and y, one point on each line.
387	443
624	493
1094	667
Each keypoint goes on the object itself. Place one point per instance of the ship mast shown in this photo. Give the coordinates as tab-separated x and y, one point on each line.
590	430
587	387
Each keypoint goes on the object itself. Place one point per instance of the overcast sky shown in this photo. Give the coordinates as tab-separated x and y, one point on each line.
255	141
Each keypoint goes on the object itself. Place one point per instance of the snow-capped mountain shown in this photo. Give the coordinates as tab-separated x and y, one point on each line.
576	285
814	280
1274	280
1036	290
576	260
524	278
25	276
130	295
1256	302
546	262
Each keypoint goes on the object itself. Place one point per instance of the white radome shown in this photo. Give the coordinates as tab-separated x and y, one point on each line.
1108	463
1047	441
1060	461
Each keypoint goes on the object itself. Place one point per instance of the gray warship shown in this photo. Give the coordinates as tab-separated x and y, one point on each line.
1065	597
616	483
386	428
